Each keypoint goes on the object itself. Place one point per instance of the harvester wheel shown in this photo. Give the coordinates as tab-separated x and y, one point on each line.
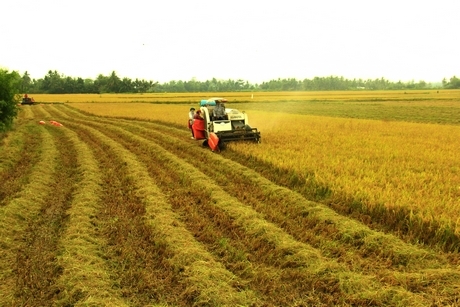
205	143
222	145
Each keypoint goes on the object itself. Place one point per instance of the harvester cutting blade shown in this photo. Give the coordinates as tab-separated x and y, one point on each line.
247	134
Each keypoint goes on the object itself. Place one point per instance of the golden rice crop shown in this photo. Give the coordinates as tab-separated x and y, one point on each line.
396	164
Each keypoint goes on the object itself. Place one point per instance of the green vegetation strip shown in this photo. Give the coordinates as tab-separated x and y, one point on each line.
85	280
16	214
211	282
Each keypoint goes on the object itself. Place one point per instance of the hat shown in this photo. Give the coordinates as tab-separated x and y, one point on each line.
192	109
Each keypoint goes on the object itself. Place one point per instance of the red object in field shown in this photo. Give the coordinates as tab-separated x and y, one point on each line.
55	123
213	141
198	129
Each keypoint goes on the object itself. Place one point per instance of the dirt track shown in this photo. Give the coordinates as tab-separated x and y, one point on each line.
135	213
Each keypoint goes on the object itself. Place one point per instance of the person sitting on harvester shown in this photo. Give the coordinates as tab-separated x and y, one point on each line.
219	111
197	115
191	114
198	126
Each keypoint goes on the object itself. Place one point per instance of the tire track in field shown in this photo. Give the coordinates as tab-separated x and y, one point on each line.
185	150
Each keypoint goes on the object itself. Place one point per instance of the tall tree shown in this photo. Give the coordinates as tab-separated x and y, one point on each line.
114	83
10	84
454	82
26	82
100	84
53	83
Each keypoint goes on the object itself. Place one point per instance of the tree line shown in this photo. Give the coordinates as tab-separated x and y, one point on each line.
12	84
56	83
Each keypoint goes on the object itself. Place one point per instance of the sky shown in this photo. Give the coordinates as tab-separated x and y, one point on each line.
257	41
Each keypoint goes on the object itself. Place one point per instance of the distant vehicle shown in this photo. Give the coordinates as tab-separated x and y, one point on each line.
234	126
27	100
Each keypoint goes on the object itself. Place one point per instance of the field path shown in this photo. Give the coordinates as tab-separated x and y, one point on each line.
134	213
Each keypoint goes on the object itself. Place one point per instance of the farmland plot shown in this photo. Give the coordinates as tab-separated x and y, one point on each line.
112	212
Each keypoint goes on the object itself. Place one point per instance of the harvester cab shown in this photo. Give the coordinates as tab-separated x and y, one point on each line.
223	125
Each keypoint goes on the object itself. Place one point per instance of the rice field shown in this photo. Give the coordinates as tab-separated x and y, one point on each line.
119	207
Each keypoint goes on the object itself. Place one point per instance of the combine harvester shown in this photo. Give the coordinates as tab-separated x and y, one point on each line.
234	126
27	100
